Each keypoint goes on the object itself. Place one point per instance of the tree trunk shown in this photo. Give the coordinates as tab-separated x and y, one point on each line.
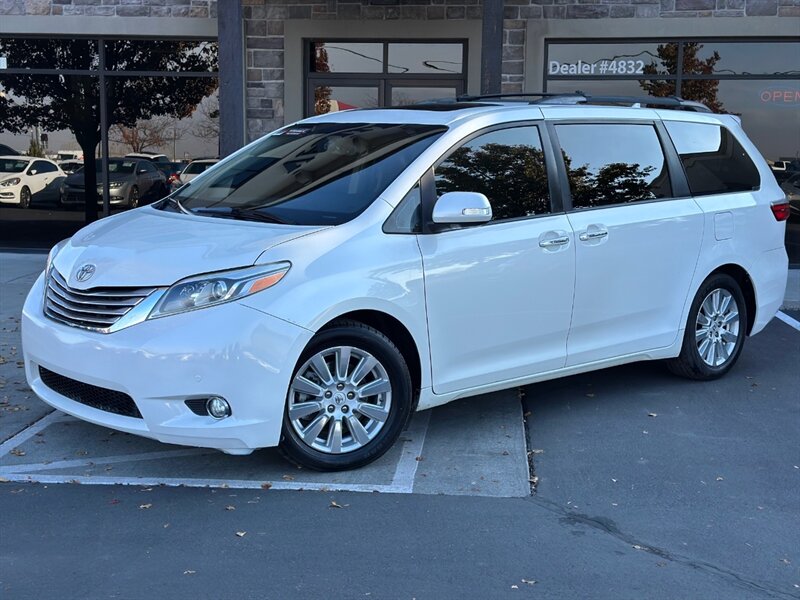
89	145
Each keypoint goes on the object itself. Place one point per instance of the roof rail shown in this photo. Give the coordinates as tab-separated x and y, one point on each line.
578	97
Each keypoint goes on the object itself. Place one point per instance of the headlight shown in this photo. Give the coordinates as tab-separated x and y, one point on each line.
10	182
116	184
217	288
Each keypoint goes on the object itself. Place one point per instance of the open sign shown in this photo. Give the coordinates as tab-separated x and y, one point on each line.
785	97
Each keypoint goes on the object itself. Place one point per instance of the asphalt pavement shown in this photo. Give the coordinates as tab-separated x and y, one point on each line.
642	485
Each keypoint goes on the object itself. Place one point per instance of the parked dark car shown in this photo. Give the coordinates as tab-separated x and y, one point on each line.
8	151
131	182
172	171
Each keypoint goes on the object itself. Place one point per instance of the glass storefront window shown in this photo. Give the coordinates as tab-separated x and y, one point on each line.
426	58
161	55
751	58
404	95
342	75
161	99
333	98
595	60
347	57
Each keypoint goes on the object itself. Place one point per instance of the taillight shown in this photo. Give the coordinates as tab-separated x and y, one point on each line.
780	209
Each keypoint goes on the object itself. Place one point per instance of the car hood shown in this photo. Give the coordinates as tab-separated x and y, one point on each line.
149	247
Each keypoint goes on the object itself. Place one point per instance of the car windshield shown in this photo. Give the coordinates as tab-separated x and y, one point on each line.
196	168
11	165
309	174
117	166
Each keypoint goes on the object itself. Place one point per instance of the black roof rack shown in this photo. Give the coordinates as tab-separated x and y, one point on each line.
579	97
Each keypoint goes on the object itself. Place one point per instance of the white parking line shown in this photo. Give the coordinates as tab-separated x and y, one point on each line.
30	431
402	481
233	484
788	320
103	460
406	469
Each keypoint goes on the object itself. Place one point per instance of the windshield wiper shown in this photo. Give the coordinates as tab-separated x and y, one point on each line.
243	214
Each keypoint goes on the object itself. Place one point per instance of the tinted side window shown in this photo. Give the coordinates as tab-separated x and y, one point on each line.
506	165
714	160
147	166
613	164
44	167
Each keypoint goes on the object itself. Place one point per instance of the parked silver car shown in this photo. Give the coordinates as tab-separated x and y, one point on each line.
131	183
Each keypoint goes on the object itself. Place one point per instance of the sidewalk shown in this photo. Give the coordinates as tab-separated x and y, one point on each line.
791	300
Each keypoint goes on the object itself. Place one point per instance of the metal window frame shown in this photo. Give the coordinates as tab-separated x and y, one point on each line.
383	80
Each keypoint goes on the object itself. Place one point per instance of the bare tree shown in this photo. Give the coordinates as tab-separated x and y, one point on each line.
207	117
145	135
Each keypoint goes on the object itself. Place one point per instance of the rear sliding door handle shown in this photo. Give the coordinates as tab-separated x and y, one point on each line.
592	235
559	241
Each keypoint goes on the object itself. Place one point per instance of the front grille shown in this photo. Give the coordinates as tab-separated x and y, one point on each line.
97	309
111	401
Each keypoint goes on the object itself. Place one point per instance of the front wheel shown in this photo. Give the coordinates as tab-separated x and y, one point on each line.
25	197
715	330
349	399
133	197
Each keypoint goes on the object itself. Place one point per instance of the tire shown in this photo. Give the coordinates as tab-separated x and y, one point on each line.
362	436
133	197
708	352
25	197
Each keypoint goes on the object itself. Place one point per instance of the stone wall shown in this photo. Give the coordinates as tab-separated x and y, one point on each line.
264	30
112	8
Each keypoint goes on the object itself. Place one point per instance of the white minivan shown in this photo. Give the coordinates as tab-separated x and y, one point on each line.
321	284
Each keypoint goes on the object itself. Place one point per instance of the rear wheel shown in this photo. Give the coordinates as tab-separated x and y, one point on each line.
349	399
715	330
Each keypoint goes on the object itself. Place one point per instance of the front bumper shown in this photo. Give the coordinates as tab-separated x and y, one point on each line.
10	194
75	196
231	350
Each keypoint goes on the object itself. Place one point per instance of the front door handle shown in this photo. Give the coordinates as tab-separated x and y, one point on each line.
592	235
559	241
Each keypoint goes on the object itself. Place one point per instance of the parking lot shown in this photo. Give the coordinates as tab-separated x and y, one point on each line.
624	477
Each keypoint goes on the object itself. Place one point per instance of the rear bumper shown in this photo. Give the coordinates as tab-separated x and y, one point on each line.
233	351
769	277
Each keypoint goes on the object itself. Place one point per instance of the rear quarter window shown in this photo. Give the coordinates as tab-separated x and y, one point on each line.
714	160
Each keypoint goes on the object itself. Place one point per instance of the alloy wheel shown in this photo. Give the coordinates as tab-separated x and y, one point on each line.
717	327
339	400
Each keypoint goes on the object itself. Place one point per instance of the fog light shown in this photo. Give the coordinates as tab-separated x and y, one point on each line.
218	407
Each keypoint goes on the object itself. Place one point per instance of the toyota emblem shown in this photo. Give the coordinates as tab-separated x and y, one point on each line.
85	272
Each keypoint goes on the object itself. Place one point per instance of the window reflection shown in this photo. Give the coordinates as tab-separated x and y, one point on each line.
613	164
507	166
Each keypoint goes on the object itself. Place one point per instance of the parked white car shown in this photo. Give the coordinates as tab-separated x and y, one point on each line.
195	168
25	180
329	279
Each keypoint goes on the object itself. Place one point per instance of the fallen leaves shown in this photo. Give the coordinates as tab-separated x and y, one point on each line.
529	581
145	506
335	504
241	533
230	507
652	415
18	452
287	477
266	486
189	572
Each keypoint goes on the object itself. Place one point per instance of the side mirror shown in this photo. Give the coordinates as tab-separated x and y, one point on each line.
462	208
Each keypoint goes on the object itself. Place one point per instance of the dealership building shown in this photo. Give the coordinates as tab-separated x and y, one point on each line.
281	60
